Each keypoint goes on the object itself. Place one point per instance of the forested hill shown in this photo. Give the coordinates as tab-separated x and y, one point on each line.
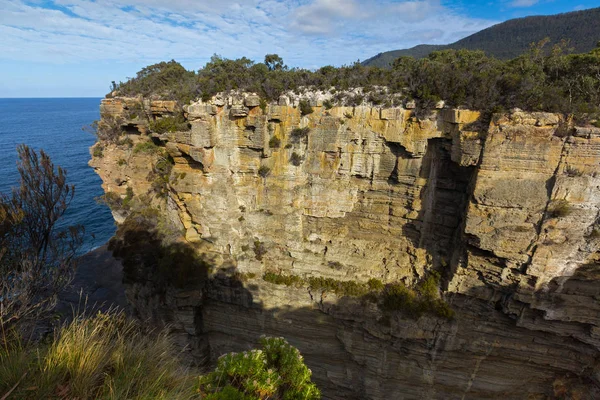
513	37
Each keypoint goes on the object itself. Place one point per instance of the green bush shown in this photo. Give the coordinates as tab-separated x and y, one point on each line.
305	107
275	371
146	147
98	151
169	124
541	79
264	171
296	159
328	104
281	279
393	297
299	133
121	162
259	249
126	141
275	142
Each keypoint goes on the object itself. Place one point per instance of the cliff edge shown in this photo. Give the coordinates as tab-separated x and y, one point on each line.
289	202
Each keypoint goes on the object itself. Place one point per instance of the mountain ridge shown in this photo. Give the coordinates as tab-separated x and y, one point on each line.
511	38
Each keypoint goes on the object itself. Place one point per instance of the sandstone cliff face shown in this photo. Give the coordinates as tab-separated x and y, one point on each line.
507	212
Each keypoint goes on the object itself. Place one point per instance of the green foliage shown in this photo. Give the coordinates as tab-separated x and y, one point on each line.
299	133
165	80
126	141
38	253
112	200
559	209
542	78
121	162
259	249
282	279
305	107
161	175
275	371
263	105
98	151
264	171
169	124
393	297
128	198
328	104
146	147
296	159
274	142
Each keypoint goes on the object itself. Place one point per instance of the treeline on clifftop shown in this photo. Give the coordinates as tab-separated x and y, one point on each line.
541	80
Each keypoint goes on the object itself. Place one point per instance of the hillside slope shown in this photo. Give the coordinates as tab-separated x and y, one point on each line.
513	37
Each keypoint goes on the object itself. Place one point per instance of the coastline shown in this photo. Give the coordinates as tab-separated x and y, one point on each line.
97	285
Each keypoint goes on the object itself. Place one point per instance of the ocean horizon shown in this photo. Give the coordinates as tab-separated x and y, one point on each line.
55	125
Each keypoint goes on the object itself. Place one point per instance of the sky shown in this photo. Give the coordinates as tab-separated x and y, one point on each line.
75	48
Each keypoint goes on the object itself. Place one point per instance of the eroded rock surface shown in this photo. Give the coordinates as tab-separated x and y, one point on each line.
507	212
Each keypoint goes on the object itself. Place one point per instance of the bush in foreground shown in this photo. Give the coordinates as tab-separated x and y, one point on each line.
111	357
276	371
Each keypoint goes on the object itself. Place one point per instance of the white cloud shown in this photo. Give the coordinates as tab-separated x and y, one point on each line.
524	3
305	33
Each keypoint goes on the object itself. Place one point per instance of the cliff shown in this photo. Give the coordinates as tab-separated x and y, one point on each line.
505	213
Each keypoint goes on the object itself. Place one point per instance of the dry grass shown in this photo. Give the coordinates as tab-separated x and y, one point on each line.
107	357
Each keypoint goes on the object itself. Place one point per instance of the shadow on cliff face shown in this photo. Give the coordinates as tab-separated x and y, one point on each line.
559	323
444	198
354	349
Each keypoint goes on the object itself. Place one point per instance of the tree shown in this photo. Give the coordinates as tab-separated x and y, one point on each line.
37	258
274	62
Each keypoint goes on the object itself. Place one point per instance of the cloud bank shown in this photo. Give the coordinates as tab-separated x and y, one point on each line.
305	33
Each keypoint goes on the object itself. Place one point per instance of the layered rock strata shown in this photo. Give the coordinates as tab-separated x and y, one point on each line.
507	212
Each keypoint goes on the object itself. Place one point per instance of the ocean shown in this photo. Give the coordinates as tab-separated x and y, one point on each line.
55	125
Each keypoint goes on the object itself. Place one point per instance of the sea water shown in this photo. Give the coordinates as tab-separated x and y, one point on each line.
55	125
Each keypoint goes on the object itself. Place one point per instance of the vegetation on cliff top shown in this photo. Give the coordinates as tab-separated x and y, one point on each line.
542	79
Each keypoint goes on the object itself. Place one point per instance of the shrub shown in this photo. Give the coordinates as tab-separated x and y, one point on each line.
573	171
275	371
37	251
146	147
305	107
281	279
394	297
121	162
112	200
299	133
169	124
160	175
559	209
274	142
98	151
128	198
126	141
264	171
259	249
328	104
296	159
263	105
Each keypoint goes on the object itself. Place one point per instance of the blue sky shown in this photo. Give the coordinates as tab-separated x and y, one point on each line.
71	48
